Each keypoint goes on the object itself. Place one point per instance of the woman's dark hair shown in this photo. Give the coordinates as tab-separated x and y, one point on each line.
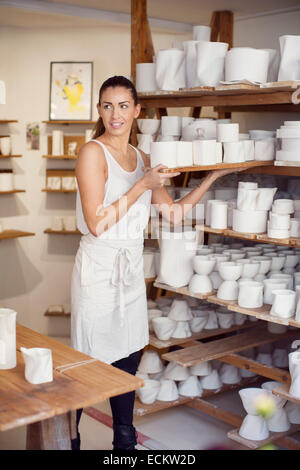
116	81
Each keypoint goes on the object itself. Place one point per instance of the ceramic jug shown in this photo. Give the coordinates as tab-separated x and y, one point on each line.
38	365
8	358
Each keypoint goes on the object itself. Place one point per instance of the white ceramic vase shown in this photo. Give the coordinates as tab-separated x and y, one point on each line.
246	63
289	68
8	357
38	365
5	145
210	62
284	303
170	69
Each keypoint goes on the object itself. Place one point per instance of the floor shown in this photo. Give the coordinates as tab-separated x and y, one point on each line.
191	429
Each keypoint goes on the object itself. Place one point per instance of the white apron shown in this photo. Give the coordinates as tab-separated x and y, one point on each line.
108	295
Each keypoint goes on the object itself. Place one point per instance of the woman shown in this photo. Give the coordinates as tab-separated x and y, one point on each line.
109	306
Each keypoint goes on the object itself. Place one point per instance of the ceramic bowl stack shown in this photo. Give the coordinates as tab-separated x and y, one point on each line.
150	363
148	128
170	69
289	135
181	314
253	204
253	427
200	282
279	222
188	384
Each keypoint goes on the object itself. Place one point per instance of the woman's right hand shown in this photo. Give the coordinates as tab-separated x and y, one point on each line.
154	179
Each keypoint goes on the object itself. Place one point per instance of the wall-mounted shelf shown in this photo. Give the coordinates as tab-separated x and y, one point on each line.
61	157
7	121
69	122
10	156
13	191
62	232
283	391
56	314
46	190
6	234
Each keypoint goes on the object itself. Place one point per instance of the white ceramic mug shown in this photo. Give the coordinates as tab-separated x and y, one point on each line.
233	152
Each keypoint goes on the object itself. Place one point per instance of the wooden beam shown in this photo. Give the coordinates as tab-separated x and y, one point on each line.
141	41
226	27
215	411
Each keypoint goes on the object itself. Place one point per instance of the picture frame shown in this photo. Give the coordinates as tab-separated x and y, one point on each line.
71	85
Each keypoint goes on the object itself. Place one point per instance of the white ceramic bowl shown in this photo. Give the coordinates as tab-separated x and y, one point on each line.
148	126
230	271
163	327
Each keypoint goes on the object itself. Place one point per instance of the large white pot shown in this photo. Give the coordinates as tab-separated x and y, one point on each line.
164	153
246	63
189	48
204	152
8	358
38	365
249	221
289	68
284	303
250	294
294	367
170	69
146	77
210	62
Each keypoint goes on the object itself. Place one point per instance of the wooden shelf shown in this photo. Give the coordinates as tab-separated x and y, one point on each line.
140	409
11	156
253	237
13	191
46	190
56	314
220	166
234	435
263	313
6	234
160	344
228	97
182	290
7	121
60	157
62	232
148	280
69	122
283	391
221	347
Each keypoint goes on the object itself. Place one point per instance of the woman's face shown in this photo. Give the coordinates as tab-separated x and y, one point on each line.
118	110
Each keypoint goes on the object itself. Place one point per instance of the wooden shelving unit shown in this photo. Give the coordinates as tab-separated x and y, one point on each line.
56	314
47	190
7	121
6	234
62	232
220	166
283	391
69	122
11	156
60	157
13	191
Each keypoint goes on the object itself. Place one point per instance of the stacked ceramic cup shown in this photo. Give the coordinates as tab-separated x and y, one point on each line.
289	135
279	222
148	128
233	148
146	77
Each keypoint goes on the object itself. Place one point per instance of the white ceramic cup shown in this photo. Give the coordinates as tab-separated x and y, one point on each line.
233	152
204	152
284	303
227	132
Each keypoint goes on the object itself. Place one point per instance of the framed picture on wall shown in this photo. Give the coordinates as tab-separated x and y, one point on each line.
71	85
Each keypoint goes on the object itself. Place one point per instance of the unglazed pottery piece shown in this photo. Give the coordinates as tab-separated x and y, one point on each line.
249	221
148	394
190	387
200	284
250	294
284	303
177	270
146	77
38	365
201	33
8	358
168	390
202	369
254	428
229	374
219	215
246	63
264	150
170	69
293	412
227	132
163	153
204	152
212	321
225	319
176	372
182	330
5	145
150	363
289	68
180	311
210	59
211	381
269	286
294	367
233	152
280	356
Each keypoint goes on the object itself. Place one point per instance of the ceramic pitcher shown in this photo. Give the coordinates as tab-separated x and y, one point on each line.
8	358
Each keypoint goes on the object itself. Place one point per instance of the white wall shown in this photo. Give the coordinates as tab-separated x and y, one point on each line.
36	271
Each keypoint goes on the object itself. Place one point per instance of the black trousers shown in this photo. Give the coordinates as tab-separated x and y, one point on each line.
121	405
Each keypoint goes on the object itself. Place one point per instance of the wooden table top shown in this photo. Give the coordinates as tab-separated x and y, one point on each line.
22	403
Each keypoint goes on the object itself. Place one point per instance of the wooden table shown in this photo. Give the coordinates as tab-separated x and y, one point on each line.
48	409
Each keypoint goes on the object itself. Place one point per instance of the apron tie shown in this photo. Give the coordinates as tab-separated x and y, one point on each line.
123	274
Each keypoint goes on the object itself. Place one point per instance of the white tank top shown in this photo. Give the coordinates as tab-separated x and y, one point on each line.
118	182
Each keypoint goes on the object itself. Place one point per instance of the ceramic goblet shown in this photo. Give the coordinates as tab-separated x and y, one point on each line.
230	273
